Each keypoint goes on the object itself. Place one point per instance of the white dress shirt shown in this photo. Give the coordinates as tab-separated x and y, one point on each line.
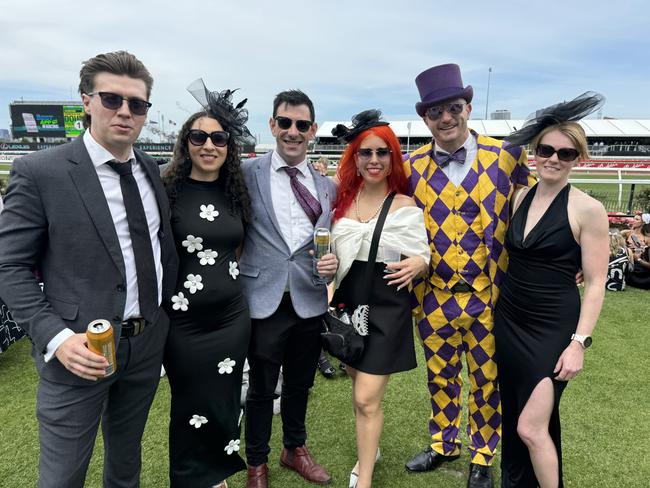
1	204
455	171
294	223
110	182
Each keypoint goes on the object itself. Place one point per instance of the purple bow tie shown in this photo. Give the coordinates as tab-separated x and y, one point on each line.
443	159
309	204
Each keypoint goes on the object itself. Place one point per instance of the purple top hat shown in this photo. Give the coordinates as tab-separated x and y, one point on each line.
438	84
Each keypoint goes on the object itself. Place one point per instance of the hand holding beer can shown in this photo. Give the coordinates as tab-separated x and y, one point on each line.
321	242
100	341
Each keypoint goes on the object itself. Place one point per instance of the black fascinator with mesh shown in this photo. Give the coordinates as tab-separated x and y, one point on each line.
232	117
572	111
360	122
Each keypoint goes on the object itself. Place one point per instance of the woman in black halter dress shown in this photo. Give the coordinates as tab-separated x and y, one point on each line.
541	330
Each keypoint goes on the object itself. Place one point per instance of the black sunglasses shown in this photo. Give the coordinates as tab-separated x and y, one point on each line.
454	108
198	137
113	101
566	154
366	153
285	123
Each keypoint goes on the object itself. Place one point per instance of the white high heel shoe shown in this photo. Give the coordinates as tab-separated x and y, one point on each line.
354	477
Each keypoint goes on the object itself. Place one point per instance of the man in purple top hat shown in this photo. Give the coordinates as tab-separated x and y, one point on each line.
463	182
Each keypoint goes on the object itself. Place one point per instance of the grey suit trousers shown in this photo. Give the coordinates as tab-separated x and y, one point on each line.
69	416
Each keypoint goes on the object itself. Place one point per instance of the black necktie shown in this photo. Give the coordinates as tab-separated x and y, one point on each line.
309	204
443	159
140	240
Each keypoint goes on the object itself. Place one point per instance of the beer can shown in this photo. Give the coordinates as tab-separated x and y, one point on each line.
100	341
321	242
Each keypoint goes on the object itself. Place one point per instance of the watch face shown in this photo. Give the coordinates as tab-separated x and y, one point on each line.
587	341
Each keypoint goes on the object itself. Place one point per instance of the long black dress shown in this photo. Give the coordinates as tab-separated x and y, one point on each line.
536	314
208	339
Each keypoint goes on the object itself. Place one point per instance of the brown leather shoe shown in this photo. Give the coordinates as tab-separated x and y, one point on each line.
258	476
301	462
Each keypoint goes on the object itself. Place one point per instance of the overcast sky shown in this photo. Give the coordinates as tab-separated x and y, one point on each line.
346	55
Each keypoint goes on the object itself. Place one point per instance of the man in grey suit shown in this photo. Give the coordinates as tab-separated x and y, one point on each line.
93	216
286	293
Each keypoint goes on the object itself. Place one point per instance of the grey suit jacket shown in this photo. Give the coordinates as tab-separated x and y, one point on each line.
267	262
57	219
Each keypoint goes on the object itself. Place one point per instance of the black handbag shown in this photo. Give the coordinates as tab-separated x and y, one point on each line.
340	338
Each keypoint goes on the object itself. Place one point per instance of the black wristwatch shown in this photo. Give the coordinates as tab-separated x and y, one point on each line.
584	340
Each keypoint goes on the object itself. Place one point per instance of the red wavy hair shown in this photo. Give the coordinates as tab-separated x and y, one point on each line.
350	182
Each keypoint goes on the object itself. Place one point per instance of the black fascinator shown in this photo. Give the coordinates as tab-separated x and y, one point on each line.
574	110
232	118
360	122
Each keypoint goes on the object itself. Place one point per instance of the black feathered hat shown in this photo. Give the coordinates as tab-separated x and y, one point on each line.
219	105
576	109
360	122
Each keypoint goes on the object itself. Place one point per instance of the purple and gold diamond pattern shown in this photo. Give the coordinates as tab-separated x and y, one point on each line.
454	324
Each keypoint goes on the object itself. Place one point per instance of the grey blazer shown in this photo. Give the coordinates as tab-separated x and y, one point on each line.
266	262
56	218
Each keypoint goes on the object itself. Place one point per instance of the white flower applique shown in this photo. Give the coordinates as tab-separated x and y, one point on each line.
180	302
193	243
233	446
207	257
225	366
198	420
234	272
208	212
194	283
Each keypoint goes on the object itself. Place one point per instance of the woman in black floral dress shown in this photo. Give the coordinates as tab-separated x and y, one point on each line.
210	323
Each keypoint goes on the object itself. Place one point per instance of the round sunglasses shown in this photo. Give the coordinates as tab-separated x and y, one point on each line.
566	154
198	137
285	123
113	101
435	112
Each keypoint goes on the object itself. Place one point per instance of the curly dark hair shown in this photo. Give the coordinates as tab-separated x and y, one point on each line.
181	166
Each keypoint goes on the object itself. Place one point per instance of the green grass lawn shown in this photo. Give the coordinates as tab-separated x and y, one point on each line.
606	434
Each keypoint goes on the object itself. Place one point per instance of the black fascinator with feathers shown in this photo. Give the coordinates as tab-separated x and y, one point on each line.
232	117
360	122
571	111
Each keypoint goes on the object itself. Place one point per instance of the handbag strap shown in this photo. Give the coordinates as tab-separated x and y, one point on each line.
374	245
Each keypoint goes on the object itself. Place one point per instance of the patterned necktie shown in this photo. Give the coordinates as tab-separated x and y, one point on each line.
309	204
443	159
140	239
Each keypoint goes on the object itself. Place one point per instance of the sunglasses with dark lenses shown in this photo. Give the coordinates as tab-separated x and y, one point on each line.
566	154
365	154
434	113
284	123
198	137
113	101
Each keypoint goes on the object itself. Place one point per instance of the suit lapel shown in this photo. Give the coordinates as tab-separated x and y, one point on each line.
263	179
84	177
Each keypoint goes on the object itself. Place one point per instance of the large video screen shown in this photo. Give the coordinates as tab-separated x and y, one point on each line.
46	120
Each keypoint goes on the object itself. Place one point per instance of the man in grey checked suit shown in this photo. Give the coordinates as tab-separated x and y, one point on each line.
65	213
285	294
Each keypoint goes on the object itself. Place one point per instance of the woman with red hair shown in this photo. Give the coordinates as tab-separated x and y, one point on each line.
370	171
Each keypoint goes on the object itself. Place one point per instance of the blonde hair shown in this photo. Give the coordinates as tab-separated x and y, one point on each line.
616	242
573	131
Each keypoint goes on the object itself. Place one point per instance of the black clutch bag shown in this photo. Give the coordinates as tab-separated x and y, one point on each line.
341	338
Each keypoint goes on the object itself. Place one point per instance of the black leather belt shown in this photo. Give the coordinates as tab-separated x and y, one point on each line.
461	287
133	327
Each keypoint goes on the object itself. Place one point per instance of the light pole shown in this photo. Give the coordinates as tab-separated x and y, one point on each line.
487	98
408	137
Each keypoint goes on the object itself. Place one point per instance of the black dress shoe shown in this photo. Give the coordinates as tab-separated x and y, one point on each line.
325	367
479	476
428	460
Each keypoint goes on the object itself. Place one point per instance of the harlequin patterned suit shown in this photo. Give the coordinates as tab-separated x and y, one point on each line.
466	227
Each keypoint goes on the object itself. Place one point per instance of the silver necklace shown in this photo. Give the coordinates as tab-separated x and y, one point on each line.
375	212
